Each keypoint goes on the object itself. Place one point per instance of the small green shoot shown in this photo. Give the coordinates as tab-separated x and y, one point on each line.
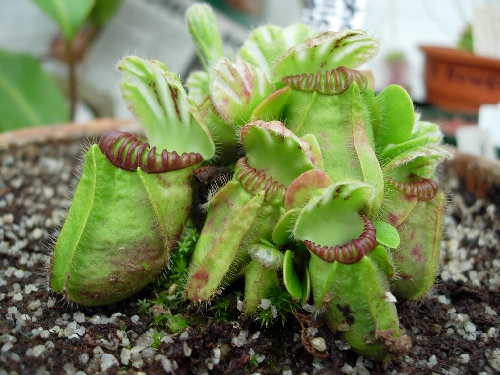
281	306
156	339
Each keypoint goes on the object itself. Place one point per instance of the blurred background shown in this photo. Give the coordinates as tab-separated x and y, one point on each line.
155	29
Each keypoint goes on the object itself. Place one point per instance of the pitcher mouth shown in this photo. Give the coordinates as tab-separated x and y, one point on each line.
350	252
129	152
423	189
254	181
332	82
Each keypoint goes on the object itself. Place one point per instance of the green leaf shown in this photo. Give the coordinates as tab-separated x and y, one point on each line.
68	14
321	274
28	97
290	155
223	134
272	107
237	89
111	243
202	27
384	262
420	160
158	100
230	197
306	286
81	208
209	273
417	258
425	134
315	148
170	213
327	51
266	44
396	206
290	278
197	85
387	235
332	217
259	281
102	11
371	114
337	122
397	116
303	188
282	232
362	310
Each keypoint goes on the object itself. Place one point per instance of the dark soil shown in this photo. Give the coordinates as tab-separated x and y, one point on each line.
34	182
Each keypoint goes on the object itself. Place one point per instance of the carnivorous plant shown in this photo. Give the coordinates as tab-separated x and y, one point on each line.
333	193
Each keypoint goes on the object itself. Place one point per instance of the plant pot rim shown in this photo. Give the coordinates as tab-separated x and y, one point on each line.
457	56
480	175
67	131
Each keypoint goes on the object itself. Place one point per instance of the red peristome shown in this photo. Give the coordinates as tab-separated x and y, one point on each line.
424	189
134	153
332	82
350	252
254	181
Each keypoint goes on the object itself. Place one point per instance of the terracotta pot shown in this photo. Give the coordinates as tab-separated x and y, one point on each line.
460	81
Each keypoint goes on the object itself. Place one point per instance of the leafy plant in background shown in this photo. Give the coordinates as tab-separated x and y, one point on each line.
69	16
333	199
466	40
22	80
28	95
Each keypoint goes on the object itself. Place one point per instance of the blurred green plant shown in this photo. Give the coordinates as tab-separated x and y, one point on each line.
69	15
102	11
466	41
28	96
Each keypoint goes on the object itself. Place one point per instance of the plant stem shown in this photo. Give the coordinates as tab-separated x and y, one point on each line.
71	77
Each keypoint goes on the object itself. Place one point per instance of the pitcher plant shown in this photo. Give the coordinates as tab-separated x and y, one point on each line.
333	195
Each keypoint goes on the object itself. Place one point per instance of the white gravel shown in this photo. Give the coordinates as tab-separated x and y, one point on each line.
34	324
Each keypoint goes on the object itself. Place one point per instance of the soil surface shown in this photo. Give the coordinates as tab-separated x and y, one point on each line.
454	330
